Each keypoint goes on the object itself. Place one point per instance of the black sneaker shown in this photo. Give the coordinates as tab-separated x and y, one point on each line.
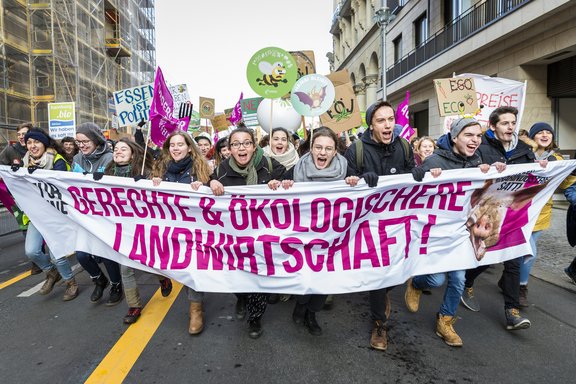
299	313
311	323
571	274
116	294
240	308
469	300
166	287
254	329
514	321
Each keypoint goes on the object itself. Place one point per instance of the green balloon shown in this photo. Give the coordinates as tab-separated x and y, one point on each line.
271	72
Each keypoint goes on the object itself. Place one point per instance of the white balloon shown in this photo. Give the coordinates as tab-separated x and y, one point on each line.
283	115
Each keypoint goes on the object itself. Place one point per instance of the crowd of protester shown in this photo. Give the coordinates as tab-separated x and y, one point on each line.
280	160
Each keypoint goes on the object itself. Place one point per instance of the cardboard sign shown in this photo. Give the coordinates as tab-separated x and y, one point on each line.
492	93
219	122
61	120
250	111
456	96
206	108
344	114
305	62
133	104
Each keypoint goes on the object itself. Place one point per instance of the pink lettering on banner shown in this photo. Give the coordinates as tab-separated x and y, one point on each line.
426	234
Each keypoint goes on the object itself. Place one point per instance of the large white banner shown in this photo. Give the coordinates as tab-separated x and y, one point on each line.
312	238
492	93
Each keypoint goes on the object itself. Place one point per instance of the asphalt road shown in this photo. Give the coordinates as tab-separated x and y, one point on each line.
47	340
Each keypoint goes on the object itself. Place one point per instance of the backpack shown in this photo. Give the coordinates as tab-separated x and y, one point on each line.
360	153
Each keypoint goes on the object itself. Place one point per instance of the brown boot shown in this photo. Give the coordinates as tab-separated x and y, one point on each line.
445	330
196	319
52	277
412	296
71	290
378	340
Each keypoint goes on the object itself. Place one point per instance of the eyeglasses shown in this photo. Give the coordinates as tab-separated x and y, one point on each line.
245	144
319	149
82	142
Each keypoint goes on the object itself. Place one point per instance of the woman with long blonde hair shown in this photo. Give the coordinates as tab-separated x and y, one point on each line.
181	162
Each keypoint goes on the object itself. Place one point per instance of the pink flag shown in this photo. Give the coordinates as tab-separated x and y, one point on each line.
162	124
236	114
403	119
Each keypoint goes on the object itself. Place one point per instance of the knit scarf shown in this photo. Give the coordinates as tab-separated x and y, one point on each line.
177	167
288	159
545	155
305	169
46	161
249	171
122	170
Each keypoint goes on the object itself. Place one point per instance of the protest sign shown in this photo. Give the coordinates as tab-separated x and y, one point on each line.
133	104
61	120
305	62
344	114
220	122
206	108
312	95
313	238
492	93
271	72
179	96
250	110
456	96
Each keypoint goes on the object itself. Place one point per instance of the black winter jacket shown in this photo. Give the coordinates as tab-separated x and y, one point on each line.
228	177
491	150
383	159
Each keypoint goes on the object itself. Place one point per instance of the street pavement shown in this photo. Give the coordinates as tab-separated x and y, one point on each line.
47	340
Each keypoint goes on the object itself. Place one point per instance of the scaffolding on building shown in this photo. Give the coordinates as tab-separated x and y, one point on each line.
71	51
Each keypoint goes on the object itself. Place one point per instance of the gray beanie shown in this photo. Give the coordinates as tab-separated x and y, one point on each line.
93	132
458	125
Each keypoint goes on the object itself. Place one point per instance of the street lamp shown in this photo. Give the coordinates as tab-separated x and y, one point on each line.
382	18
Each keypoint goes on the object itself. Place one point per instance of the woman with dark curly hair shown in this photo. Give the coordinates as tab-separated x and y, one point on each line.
127	161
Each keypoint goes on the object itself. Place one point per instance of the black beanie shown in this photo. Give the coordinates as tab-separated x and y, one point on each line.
37	134
540	127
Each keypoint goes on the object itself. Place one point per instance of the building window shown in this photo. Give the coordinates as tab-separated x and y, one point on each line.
397	48
420	30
